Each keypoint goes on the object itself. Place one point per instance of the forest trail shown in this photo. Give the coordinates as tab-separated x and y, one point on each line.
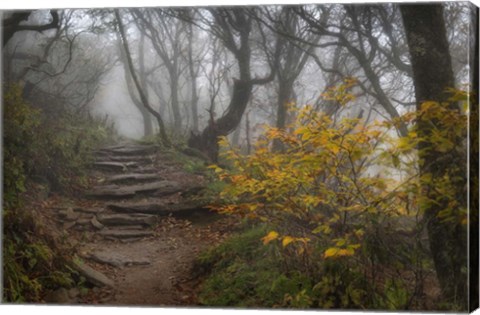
138	230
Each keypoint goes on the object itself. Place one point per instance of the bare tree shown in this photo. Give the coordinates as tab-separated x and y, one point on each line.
143	97
233	27
146	116
293	56
355	33
168	37
12	24
65	67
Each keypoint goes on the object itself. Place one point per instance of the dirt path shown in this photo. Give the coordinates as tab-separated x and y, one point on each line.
137	232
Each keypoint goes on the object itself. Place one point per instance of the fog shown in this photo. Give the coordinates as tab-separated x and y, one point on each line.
112	100
210	69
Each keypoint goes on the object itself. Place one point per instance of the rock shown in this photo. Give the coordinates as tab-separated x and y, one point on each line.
110	192
59	296
115	166
182	209
69	225
125	233
111	147
117	259
122	158
89	210
69	214
138	177
148	169
126	219
93	276
73	293
83	221
130	240
129	150
96	224
130	190
132	227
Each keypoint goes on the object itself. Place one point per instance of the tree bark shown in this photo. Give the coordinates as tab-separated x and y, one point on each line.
146	116
432	74
147	121
225	20
143	98
474	165
193	78
285	96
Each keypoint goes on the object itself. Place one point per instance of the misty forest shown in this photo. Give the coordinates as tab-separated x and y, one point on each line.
310	156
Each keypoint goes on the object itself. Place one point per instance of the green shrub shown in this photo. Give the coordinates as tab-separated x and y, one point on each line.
53	150
56	149
243	272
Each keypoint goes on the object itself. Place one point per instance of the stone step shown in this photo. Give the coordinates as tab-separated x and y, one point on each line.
115	166
93	276
140	159
89	210
117	259
155	208
124	233
130	150
126	219
128	191
136	177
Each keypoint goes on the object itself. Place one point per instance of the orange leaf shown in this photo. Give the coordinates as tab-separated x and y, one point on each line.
287	240
270	237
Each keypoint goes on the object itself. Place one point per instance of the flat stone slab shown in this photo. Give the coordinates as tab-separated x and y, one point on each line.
157	209
89	210
138	177
95	277
128	150
126	219
69	214
96	224
125	233
129	191
117	259
115	166
132	227
123	158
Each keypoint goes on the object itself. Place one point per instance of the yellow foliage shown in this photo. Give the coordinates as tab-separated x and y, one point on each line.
287	240
271	236
324	176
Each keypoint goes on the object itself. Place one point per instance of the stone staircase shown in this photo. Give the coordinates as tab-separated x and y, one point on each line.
134	185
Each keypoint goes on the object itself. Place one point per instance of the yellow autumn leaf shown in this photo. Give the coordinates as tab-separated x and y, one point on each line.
338	252
331	252
287	240
271	236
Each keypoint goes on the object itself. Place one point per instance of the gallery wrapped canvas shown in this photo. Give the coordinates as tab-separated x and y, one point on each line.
309	156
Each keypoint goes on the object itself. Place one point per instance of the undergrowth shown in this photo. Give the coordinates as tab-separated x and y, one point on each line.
54	150
243	272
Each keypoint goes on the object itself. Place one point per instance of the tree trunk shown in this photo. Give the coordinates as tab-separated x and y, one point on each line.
147	121
285	96
226	20
193	78
146	116
143	98
207	141
432	74
474	163
177	118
